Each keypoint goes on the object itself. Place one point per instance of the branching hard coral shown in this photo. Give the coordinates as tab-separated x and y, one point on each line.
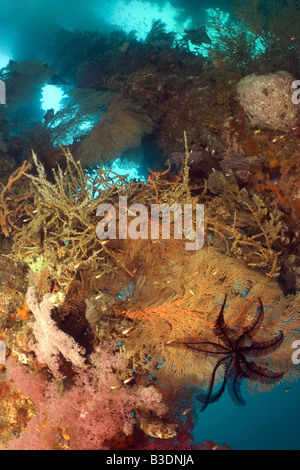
271	229
12	206
242	225
60	244
247	230
61	235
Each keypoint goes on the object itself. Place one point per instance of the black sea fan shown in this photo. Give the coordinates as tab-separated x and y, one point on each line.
233	351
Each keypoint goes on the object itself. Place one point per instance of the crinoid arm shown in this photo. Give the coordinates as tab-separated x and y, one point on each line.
222	330
263	348
210	396
232	350
256	323
206	347
259	374
234	389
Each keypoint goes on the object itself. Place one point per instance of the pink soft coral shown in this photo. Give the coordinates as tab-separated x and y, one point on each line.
90	411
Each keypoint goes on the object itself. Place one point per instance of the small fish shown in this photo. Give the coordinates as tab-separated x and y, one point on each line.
186	411
128	380
127	331
115	387
99	296
287	389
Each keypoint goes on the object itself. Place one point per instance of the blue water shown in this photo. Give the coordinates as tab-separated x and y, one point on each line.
269	421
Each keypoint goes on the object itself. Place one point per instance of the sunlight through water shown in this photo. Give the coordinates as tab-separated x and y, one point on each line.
51	97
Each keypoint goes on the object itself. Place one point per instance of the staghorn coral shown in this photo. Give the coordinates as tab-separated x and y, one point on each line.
60	239
60	245
12	205
146	293
248	230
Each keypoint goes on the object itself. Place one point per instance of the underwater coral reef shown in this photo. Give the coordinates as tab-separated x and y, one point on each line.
115	335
